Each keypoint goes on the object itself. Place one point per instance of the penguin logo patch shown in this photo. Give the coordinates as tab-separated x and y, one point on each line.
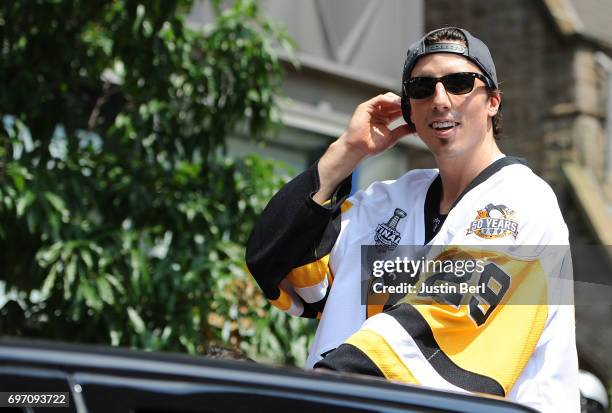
494	221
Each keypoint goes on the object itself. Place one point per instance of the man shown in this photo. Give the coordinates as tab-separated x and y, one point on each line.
305	251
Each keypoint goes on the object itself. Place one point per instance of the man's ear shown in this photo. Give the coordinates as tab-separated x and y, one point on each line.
494	102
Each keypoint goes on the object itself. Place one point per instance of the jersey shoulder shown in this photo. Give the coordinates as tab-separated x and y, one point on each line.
412	183
521	180
531	203
529	192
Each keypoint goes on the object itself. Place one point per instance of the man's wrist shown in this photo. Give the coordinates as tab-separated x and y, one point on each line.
331	199
335	166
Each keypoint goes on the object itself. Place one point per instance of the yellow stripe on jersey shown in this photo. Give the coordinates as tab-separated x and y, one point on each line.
283	302
289	302
382	355
310	281
310	274
313	273
374	309
346	205
500	347
499	351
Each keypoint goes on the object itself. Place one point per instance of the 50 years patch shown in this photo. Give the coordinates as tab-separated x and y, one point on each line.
494	221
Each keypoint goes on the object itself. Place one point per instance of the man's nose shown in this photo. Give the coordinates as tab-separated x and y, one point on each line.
441	100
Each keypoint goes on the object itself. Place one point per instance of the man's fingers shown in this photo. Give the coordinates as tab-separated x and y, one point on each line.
394	115
386	117
392	96
401	131
385	109
389	99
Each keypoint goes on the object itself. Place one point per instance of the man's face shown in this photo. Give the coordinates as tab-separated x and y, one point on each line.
470	115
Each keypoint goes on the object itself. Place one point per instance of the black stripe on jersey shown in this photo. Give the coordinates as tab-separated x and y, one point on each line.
431	208
350	359
293	230
313	309
488	172
412	321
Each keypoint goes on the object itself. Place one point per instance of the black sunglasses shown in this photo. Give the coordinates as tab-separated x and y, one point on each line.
455	83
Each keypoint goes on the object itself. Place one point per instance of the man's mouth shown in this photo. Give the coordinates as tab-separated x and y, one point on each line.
443	125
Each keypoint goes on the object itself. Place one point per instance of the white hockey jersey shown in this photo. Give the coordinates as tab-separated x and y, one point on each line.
516	339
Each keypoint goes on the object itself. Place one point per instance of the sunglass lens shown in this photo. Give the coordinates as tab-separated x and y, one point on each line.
458	83
421	87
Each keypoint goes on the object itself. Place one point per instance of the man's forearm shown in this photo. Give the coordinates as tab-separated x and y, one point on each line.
338	162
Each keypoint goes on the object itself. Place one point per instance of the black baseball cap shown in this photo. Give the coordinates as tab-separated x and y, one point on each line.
475	50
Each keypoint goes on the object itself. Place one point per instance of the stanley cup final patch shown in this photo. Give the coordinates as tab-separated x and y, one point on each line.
387	237
494	221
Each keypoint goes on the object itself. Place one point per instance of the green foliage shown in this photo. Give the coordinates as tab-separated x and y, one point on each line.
121	220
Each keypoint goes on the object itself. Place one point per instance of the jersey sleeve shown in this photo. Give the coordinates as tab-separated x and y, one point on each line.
289	248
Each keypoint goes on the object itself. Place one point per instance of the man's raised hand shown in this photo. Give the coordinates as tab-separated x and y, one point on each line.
367	134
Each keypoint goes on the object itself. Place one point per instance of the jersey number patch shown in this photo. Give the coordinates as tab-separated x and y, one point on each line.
493	284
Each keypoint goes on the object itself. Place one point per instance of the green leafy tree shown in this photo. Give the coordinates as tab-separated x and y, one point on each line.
121	219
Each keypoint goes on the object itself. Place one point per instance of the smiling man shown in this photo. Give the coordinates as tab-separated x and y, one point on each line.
508	336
